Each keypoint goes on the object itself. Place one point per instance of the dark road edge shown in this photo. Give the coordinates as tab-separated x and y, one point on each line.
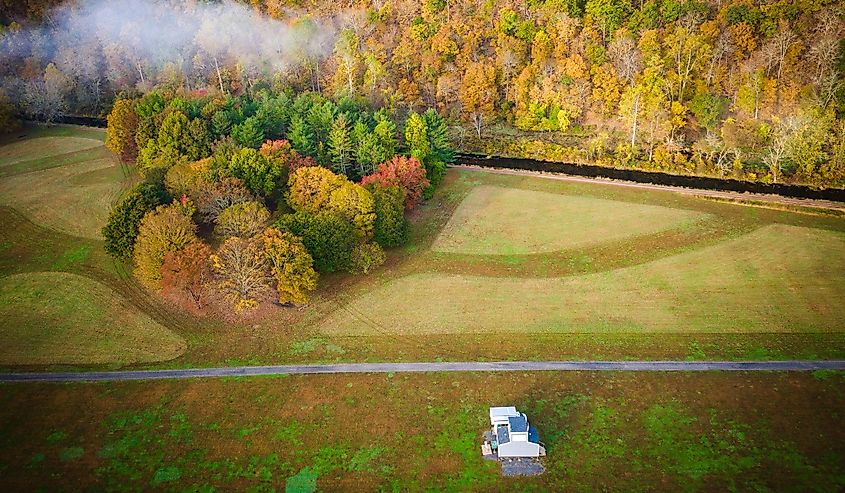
250	371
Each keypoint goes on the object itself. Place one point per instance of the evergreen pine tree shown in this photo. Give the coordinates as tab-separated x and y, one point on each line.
221	124
249	133
340	145
438	136
301	137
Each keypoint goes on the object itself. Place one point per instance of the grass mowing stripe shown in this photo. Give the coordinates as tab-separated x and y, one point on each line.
776	279
61	318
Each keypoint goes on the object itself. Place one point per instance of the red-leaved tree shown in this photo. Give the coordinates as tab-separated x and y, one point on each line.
185	273
281	150
404	172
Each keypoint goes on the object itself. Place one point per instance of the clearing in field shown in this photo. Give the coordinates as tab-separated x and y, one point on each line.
74	199
506	221
42	147
778	278
61	318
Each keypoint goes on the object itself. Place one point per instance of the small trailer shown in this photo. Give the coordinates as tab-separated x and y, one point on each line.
513	442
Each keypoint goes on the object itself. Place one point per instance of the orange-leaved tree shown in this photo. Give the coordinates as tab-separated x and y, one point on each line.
186	272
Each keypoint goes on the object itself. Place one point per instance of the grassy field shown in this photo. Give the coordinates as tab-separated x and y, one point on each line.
62	300
507	221
60	318
74	199
775	279
39	148
582	271
603	432
633	274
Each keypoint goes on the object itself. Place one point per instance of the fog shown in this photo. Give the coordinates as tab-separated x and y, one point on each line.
116	44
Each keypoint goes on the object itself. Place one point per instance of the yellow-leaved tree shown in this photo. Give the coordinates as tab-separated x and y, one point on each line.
241	272
478	94
315	189
120	134
290	265
167	229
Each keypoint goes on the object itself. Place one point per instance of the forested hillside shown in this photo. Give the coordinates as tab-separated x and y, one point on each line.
751	89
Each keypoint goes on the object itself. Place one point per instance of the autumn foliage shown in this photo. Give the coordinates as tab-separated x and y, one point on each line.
165	230
404	172
290	265
185	274
233	162
122	125
315	189
244	220
281	151
246	270
241	272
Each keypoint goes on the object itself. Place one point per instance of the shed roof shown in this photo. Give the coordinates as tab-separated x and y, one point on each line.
518	424
504	412
502	434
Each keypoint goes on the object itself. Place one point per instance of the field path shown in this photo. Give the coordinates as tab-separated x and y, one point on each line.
715	194
249	371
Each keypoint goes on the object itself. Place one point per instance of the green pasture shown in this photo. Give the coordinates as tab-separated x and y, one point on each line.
581	270
775	279
61	300
675	432
53	318
494	220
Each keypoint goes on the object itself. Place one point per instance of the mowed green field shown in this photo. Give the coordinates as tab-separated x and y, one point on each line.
74	199
626	262
775	279
58	303
582	271
38	148
60	318
673	432
503	221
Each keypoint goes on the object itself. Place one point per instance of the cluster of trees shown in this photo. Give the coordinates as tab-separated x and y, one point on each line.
750	88
161	128
241	201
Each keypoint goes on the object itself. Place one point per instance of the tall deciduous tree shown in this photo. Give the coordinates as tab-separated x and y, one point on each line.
645	109
44	98
347	51
607	15
122	126
416	137
186	272
478	94
290	266
406	173
242	272
243	220
165	230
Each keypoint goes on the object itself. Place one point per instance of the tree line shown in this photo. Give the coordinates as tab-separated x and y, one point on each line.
745	88
249	198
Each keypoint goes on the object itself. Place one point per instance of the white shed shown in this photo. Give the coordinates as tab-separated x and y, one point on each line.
513	435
